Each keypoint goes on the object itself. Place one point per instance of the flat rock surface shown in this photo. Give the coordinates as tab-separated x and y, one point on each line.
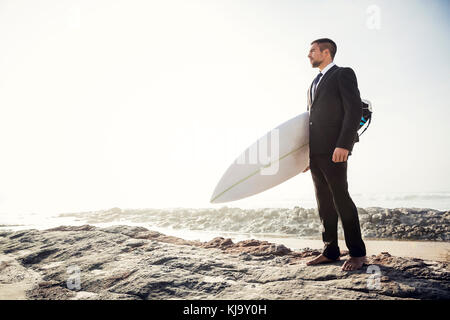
123	262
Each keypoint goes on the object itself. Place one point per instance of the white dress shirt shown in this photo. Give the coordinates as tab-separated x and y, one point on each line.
328	67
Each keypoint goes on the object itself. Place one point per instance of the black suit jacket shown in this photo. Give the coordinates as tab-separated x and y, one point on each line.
335	112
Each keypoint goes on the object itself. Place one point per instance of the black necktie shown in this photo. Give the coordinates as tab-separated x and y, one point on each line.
316	80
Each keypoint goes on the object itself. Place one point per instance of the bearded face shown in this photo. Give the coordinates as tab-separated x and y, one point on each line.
315	56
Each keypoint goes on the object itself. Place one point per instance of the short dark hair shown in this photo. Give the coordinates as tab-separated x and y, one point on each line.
325	43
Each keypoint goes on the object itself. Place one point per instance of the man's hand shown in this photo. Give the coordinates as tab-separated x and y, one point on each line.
340	155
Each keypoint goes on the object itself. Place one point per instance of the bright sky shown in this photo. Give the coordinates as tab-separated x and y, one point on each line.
146	103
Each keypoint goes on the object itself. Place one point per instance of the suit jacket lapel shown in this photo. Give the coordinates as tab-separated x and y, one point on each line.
321	84
309	96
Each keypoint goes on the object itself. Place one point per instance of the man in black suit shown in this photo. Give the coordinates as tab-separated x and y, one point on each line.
334	105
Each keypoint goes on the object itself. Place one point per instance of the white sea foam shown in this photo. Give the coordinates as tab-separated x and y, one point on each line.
420	217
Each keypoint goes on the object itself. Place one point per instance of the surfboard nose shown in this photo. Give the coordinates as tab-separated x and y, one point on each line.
213	200
215	197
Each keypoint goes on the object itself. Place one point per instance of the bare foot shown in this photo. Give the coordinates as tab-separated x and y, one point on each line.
354	263
320	259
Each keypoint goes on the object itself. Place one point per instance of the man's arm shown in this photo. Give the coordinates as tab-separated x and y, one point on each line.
351	100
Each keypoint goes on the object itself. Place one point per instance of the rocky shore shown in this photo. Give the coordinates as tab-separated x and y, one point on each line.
376	222
123	262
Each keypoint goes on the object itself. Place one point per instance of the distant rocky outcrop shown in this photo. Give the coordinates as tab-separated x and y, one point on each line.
123	262
377	223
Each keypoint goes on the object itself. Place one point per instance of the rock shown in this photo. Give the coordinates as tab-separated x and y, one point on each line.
73	228
124	262
375	218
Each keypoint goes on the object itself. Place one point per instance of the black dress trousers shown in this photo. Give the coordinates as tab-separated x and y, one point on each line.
333	201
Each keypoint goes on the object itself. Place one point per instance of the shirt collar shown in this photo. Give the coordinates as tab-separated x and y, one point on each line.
328	67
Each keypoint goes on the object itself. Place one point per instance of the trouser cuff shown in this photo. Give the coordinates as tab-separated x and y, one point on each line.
332	255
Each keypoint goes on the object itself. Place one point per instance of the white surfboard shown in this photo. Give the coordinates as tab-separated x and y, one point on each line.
276	157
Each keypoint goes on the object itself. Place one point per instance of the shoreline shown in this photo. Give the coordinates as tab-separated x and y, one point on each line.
415	224
376	222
